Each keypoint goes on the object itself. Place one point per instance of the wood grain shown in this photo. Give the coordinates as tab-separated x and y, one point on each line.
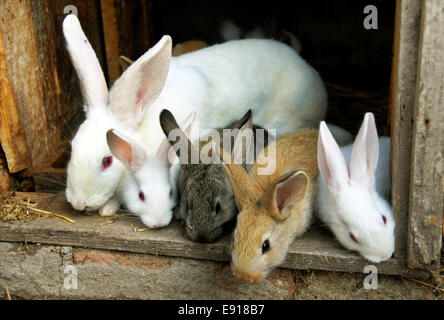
12	133
426	190
315	250
402	100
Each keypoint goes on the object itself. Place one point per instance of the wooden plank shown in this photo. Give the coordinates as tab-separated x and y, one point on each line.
426	191
6	179
111	36
48	99
22	58
127	31
315	250
12	134
402	100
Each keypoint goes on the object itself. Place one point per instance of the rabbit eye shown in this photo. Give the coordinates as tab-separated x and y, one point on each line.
106	162
353	237
141	196
171	193
384	219
265	246
218	208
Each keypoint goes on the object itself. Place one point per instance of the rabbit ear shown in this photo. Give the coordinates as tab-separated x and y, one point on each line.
241	150
364	155
244	188
284	193
173	132
129	152
91	78
331	162
163	153
140	85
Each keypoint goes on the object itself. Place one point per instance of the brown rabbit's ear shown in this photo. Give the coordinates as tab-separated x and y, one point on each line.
284	193
245	189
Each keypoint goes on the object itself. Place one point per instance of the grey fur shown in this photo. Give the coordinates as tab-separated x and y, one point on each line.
201	186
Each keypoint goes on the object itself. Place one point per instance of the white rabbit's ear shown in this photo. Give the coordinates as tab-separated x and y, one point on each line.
166	152
364	155
91	78
140	85
331	162
129	152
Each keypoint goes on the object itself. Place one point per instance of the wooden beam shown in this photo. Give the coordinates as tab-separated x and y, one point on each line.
317	249
402	100
127	28
426	190
12	134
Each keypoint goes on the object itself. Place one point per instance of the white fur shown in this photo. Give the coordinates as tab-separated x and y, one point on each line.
354	202
219	82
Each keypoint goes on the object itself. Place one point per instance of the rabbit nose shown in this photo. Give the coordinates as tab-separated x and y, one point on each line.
79	204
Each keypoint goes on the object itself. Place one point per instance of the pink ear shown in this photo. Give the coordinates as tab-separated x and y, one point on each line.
127	151
288	190
365	152
140	85
331	162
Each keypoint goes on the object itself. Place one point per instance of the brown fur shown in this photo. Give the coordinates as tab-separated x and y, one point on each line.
188	46
259	216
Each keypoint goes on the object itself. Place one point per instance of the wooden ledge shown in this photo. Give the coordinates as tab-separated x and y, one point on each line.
315	250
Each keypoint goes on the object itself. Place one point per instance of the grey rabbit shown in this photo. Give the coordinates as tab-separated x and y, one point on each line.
207	203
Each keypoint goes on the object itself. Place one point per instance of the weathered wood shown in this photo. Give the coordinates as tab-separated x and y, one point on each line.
402	100
12	134
6	179
426	191
126	26
41	78
315	250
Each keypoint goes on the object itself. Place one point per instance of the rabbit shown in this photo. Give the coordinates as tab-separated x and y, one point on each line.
274	208
148	190
206	199
269	77
353	191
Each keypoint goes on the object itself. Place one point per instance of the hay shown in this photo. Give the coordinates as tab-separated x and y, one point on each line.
13	209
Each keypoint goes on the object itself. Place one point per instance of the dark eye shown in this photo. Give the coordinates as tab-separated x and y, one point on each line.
265	246
217	208
353	237
384	219
141	196
171	193
106	162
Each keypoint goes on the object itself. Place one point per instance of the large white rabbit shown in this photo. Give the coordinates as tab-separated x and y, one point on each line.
354	189
220	83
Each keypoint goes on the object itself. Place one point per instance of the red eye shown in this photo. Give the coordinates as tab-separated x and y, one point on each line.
141	196
106	162
384	219
353	237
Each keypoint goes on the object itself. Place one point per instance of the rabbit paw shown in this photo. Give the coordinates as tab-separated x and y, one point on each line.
109	209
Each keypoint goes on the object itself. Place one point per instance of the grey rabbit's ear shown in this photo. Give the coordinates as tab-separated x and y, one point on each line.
177	138
244	139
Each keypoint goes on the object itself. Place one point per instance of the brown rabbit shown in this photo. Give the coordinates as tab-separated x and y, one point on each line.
273	208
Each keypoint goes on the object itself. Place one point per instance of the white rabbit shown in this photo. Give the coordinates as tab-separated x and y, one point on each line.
353	191
220	83
147	189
